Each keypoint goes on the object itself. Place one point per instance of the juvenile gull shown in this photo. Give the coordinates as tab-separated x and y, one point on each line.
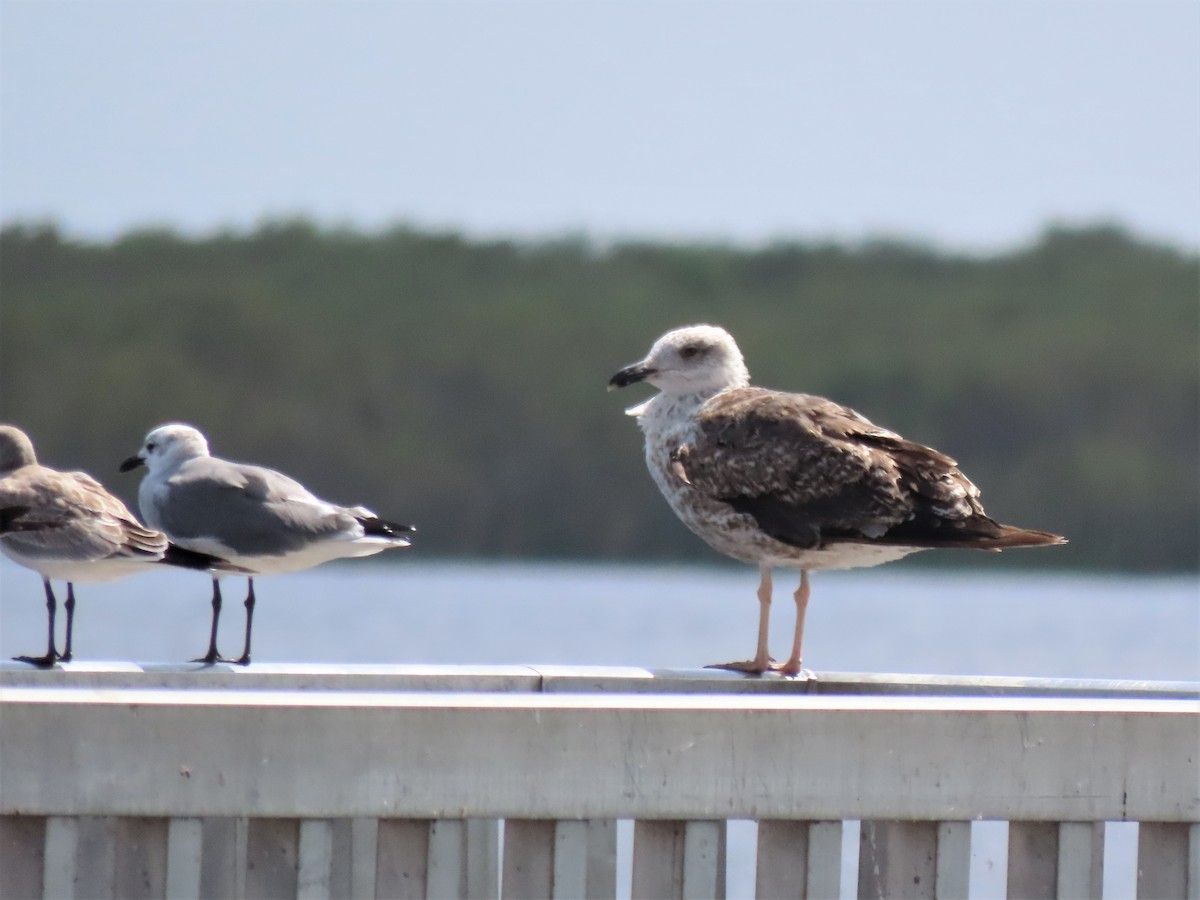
793	480
65	525
255	518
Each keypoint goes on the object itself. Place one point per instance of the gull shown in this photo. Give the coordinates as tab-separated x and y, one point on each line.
66	526
794	481
256	519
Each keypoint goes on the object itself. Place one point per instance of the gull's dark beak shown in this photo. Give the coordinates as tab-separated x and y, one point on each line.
132	463
630	375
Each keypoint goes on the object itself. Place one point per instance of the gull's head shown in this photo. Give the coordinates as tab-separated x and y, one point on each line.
167	446
16	449
695	359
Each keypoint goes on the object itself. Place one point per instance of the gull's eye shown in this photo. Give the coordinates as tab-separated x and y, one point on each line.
690	351
150	447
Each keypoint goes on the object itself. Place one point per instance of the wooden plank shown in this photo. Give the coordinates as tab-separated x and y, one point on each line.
1162	860
185	854
1033	860
569	876
271	858
745	756
483	858
447	873
601	858
782	859
314	869
1193	885
825	859
223	857
23	855
1081	860
402	859
897	860
704	860
953	860
658	859
62	843
528	858
141	858
96	857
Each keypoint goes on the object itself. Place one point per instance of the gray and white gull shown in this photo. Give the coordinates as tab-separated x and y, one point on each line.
793	480
255	518
66	526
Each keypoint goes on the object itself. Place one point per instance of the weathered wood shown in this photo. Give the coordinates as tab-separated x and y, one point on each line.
1081	860
140	865
897	860
271	858
782	859
314	870
953	860
1162	860
185	854
685	757
673	859
402	861
528	858
1033	860
22	855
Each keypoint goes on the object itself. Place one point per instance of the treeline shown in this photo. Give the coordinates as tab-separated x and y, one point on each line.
460	384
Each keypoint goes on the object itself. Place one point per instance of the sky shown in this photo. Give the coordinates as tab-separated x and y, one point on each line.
968	124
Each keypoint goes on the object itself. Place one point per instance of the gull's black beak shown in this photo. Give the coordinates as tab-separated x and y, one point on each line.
630	375
132	463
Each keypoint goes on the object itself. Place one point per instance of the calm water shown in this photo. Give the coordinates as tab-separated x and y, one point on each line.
882	620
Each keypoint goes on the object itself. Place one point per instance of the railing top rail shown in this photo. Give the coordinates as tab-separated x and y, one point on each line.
570	679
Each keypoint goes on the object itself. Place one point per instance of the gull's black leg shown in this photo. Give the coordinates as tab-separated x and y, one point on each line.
51	656
212	656
245	658
69	606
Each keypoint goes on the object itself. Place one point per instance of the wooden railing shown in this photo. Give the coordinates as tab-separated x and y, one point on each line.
307	781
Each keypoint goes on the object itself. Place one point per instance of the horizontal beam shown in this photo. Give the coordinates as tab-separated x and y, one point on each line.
572	679
550	756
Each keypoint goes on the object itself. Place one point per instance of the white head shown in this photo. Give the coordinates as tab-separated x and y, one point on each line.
16	450
167	446
695	359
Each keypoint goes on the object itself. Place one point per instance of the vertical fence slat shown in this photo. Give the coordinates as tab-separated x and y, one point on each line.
96	857
1162	860
897	859
402	859
185	852
1193	873
528	858
570	868
483	859
704	860
314	867
223	859
782	859
271	858
447	873
601	858
364	844
62	841
1033	860
953	860
825	859
140	863
658	859
1081	860
23	852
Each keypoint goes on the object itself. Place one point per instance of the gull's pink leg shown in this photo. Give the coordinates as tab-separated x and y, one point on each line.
792	666
762	657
